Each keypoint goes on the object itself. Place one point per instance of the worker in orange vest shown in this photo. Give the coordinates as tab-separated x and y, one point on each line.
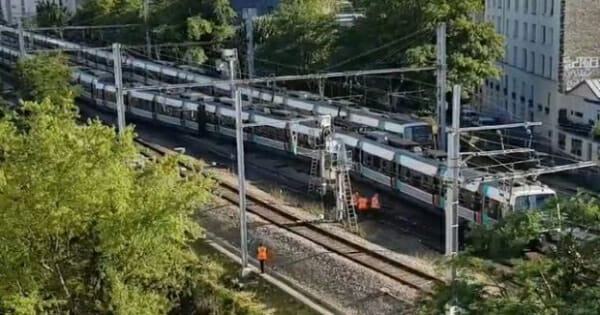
375	202
261	255
363	204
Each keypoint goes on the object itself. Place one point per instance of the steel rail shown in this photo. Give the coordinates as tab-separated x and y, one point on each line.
373	260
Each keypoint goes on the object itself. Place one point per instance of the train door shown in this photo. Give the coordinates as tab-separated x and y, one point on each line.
201	118
126	102
181	114
154	108
292	139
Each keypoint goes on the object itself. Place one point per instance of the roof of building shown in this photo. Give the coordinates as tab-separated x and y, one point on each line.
592	84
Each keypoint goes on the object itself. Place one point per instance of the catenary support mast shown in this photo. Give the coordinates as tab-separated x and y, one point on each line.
119	88
441	75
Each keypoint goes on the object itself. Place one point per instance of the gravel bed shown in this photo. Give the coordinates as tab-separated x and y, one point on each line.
339	281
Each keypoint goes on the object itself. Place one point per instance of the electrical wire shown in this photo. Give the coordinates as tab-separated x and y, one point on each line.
376	49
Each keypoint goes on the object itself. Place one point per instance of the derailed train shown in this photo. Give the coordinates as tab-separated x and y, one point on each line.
411	174
151	72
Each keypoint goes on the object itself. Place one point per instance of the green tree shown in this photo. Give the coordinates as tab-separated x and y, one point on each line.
88	226
45	76
170	21
50	13
402	32
300	36
564	280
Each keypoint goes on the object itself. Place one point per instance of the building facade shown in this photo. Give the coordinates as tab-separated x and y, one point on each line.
15	10
551	47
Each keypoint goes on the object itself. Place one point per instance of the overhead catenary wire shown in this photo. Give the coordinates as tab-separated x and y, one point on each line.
376	49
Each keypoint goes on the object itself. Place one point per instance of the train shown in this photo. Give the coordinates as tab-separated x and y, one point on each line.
379	157
151	72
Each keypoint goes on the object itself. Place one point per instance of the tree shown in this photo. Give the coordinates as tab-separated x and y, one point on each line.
299	37
90	227
50	13
402	32
45	76
564	280
169	21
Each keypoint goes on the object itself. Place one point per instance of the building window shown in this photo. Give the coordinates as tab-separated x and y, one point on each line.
533	32
517	4
550	36
524	60
526	6
508	4
576	146
516	29
551	7
547	110
507	30
525	30
550	66
532	61
515	56
543	34
562	141
543	64
499	25
534	7
545	7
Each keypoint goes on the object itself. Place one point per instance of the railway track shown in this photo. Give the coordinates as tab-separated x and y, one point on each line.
374	260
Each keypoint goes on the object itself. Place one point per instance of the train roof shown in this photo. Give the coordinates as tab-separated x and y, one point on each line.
390	122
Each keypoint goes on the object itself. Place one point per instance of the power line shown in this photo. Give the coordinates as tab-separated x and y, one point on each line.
81	27
318	76
370	51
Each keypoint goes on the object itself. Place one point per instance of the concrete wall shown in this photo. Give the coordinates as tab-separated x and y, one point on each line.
581	42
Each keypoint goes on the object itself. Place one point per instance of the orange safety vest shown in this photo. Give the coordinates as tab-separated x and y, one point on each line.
375	202
363	204
262	253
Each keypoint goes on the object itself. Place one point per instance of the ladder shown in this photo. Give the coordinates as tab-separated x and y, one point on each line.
348	200
347	208
314	182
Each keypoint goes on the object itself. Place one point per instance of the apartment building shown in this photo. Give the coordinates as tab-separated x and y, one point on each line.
15	10
551	63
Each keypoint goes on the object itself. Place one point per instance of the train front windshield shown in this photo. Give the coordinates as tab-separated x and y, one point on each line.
531	202
422	134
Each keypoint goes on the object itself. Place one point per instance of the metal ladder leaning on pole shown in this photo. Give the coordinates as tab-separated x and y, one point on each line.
345	200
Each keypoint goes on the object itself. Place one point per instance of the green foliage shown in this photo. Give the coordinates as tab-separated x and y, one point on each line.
169	21
50	13
45	76
473	47
564	280
89	227
300	35
508	238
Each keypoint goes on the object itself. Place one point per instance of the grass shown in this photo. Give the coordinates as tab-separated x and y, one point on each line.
280	302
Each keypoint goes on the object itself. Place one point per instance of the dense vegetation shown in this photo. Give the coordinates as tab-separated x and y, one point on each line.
302	35
87	226
565	279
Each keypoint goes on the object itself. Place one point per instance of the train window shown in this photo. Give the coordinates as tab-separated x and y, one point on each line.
468	199
386	167
211	118
493	209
